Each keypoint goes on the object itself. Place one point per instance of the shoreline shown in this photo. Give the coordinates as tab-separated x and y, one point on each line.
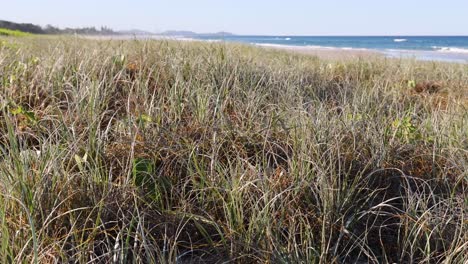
334	53
353	53
330	53
324	52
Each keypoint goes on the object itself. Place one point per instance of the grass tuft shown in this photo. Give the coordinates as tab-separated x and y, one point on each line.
144	151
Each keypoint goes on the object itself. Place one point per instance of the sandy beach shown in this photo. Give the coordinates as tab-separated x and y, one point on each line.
327	53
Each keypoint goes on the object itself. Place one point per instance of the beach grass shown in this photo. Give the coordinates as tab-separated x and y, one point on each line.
136	151
13	33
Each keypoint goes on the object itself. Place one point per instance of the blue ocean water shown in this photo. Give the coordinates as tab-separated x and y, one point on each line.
444	48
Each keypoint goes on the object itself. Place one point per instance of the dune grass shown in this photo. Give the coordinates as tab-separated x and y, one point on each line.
13	33
166	152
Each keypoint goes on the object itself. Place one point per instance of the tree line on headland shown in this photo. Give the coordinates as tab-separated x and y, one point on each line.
49	29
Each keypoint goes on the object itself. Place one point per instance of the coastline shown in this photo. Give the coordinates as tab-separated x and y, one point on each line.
326	52
335	53
441	54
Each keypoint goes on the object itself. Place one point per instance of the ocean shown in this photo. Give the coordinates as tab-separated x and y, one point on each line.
437	48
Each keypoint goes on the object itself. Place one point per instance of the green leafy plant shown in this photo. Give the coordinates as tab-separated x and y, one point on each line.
19	111
13	33
156	188
119	61
144	120
411	84
405	130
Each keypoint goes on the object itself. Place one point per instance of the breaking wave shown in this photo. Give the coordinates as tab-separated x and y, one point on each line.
450	49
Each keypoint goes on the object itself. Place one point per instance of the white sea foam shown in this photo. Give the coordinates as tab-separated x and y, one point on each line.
320	47
281	46
400	40
450	49
287	39
272	45
428	55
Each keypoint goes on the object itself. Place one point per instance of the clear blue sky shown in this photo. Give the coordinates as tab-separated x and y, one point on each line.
269	17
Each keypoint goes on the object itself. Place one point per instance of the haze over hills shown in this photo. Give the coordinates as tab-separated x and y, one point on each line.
49	29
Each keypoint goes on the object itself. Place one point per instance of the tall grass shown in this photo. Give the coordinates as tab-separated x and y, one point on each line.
13	33
167	152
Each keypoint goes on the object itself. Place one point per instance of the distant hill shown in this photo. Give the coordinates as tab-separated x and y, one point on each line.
222	33
36	29
29	28
183	33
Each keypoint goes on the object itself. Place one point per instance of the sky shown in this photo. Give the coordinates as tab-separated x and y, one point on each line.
250	17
